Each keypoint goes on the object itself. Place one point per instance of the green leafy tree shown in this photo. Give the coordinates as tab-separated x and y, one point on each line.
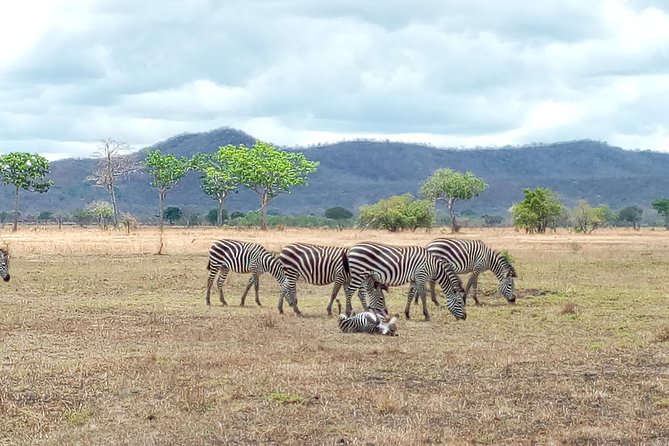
103	211
267	171
449	186
82	216
541	208
398	212
587	219
338	214
212	216
661	205
172	214
237	214
166	171
44	216
631	214
24	171
217	176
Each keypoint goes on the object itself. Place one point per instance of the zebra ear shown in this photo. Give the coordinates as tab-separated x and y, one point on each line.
393	322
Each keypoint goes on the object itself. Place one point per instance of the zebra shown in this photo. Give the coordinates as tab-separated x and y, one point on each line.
474	256
394	266
240	257
4	264
374	320
317	265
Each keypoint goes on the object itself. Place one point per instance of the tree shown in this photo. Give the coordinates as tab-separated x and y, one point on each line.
398	212
267	171
103	211
631	214
449	186
44	216
112	166
217	176
213	216
492	220
166	171
540	209
24	171
587	219
661	205
172	214
338	214
82	216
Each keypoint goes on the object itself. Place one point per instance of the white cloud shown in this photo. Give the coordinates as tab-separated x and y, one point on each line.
292	72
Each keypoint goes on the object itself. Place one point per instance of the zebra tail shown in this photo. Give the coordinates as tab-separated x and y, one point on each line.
209	265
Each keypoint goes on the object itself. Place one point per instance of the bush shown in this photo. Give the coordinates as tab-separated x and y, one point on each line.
397	213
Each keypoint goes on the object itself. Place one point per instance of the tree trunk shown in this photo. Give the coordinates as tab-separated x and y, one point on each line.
16	210
451	209
112	195
221	205
160	215
264	201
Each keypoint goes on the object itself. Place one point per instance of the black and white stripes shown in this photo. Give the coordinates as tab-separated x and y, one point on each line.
240	257
395	265
317	265
474	256
4	264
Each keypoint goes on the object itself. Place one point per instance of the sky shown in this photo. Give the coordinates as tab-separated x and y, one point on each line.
451	73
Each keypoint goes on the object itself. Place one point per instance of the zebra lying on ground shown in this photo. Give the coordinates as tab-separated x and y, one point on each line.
4	264
374	320
474	256
395	266
240	257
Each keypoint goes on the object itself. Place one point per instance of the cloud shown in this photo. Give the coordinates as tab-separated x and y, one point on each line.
300	72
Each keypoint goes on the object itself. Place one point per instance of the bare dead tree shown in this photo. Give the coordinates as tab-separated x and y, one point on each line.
113	166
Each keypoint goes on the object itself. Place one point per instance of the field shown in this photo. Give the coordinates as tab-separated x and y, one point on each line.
104	342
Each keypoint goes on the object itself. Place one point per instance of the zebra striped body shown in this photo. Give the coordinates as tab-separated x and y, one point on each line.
473	256
240	257
368	322
374	319
4	264
317	265
395	266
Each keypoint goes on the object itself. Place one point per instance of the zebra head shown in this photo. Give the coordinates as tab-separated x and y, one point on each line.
506	283
374	288
4	264
451	285
388	329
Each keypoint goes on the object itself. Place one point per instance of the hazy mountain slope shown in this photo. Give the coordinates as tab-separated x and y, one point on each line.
354	173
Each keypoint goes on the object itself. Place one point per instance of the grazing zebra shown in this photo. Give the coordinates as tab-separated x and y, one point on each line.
317	265
4	264
240	257
394	266
474	256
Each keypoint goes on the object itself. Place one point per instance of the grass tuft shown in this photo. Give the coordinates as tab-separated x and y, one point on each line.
286	398
569	308
662	335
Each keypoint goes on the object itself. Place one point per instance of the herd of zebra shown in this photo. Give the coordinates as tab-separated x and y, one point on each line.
368	269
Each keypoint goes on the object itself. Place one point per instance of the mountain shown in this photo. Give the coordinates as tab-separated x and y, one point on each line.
353	173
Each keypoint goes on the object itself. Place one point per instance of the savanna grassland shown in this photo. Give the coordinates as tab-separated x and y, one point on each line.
103	342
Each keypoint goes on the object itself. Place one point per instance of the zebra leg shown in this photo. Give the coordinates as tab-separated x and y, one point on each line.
333	296
349	290
251	281
412	293
423	296
221	280
472	283
256	288
433	293
210	282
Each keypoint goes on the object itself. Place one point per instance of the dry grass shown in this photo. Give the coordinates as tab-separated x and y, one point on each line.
103	342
